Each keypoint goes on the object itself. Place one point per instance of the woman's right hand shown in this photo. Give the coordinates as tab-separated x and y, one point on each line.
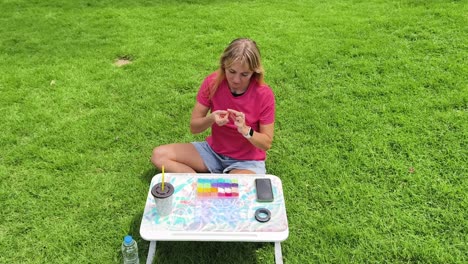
221	117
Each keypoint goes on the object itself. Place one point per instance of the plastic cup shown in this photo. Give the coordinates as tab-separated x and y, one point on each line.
163	198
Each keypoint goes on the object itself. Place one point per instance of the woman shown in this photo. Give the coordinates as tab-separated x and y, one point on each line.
240	109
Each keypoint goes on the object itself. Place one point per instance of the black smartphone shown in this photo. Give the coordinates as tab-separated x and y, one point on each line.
264	190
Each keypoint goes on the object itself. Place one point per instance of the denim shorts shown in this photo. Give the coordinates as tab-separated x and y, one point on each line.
217	163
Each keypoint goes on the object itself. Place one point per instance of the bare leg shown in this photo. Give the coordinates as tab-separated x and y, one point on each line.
178	157
239	171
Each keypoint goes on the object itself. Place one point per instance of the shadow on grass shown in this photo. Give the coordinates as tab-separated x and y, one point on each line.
195	251
192	251
148	175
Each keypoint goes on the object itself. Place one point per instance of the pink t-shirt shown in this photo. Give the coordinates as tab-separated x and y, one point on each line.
258	105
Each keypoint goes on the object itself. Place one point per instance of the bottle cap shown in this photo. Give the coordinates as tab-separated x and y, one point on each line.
128	239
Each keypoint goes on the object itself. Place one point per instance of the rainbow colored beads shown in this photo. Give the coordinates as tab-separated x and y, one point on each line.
217	188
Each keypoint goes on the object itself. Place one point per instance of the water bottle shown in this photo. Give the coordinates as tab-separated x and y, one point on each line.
130	251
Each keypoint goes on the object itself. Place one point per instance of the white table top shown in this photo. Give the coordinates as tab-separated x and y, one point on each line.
198	218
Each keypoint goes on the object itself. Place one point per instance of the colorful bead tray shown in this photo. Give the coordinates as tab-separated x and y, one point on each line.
217	188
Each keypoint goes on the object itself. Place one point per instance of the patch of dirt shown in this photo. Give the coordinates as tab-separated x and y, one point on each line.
122	61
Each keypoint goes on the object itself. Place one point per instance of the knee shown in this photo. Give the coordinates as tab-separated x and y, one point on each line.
241	171
159	156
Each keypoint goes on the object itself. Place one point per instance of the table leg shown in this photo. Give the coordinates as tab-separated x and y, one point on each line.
278	253
151	252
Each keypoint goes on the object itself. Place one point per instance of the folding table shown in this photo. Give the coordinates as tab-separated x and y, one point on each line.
216	216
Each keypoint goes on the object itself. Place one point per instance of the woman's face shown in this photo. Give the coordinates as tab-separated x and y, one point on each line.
238	76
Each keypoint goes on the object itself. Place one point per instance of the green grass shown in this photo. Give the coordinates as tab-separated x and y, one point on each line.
370	139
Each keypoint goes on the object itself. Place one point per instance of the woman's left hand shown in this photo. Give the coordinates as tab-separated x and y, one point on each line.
239	121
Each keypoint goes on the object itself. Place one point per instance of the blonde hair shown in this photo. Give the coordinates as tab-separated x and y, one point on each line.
241	50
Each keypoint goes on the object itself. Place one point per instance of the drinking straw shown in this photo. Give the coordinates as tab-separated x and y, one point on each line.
162	177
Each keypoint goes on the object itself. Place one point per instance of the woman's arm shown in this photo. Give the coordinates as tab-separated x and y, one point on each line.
200	121
262	139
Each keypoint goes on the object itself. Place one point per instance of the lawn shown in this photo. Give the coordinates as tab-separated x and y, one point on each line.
370	139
